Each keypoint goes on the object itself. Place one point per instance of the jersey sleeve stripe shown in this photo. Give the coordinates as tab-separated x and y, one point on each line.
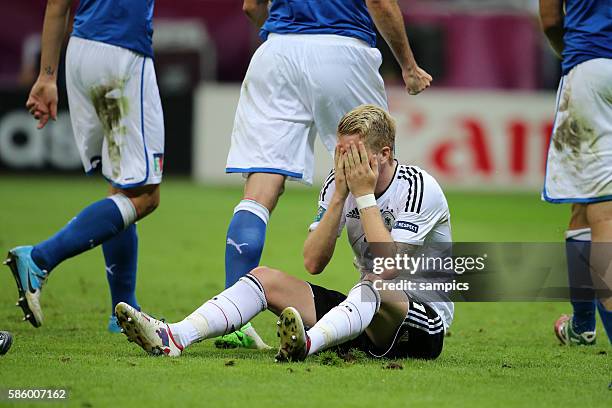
421	193
414	200
417	188
326	185
408	199
415	184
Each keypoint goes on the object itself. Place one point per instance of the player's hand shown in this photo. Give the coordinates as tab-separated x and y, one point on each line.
340	179
361	171
416	80
42	102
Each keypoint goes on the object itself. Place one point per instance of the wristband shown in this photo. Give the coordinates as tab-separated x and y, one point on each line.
365	201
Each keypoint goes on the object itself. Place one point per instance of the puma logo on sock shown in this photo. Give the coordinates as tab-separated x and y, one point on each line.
109	269
235	245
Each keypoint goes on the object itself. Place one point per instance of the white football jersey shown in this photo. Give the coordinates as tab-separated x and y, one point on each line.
414	210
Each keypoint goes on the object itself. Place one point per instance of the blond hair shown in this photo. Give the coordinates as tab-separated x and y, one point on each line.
373	125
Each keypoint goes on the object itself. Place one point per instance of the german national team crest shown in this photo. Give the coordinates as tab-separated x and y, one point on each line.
158	164
388	218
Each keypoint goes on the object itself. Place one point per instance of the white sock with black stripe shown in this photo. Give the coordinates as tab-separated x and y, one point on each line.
225	313
347	320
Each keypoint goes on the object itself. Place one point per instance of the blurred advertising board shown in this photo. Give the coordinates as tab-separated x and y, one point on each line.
488	140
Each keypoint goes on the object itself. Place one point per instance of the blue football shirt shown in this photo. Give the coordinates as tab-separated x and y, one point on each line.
588	31
124	23
349	18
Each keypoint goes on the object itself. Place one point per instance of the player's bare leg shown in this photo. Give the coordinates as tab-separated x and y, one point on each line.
287	292
283	290
259	290
145	199
245	242
265	188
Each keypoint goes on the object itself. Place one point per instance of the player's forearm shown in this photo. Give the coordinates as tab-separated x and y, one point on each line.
389	20
381	244
373	225
320	244
54	30
551	19
256	11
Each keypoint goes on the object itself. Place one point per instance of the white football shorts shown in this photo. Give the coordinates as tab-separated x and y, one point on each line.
298	86
116	112
579	165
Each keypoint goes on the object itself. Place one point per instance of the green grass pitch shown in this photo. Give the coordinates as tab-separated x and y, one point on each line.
502	354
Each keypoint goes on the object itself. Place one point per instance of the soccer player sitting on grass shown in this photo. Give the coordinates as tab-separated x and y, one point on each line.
378	200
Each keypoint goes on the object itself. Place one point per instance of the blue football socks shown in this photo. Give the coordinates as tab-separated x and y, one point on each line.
95	224
606	319
582	296
246	236
121	258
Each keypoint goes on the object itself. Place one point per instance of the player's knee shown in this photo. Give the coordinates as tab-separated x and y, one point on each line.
145	199
260	271
265	188
153	203
146	205
579	217
270	279
265	275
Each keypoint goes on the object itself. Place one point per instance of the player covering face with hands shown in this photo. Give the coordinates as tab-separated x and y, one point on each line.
365	184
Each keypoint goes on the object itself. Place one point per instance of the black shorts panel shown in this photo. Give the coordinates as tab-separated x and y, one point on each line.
325	299
421	334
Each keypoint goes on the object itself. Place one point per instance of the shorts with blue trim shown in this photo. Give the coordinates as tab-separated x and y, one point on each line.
298	86
579	165
116	112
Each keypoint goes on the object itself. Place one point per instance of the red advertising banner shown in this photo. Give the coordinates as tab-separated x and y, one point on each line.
475	139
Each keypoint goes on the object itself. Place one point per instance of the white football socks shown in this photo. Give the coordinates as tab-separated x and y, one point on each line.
347	320
224	313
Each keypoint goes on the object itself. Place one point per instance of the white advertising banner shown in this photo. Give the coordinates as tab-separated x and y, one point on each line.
468	140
